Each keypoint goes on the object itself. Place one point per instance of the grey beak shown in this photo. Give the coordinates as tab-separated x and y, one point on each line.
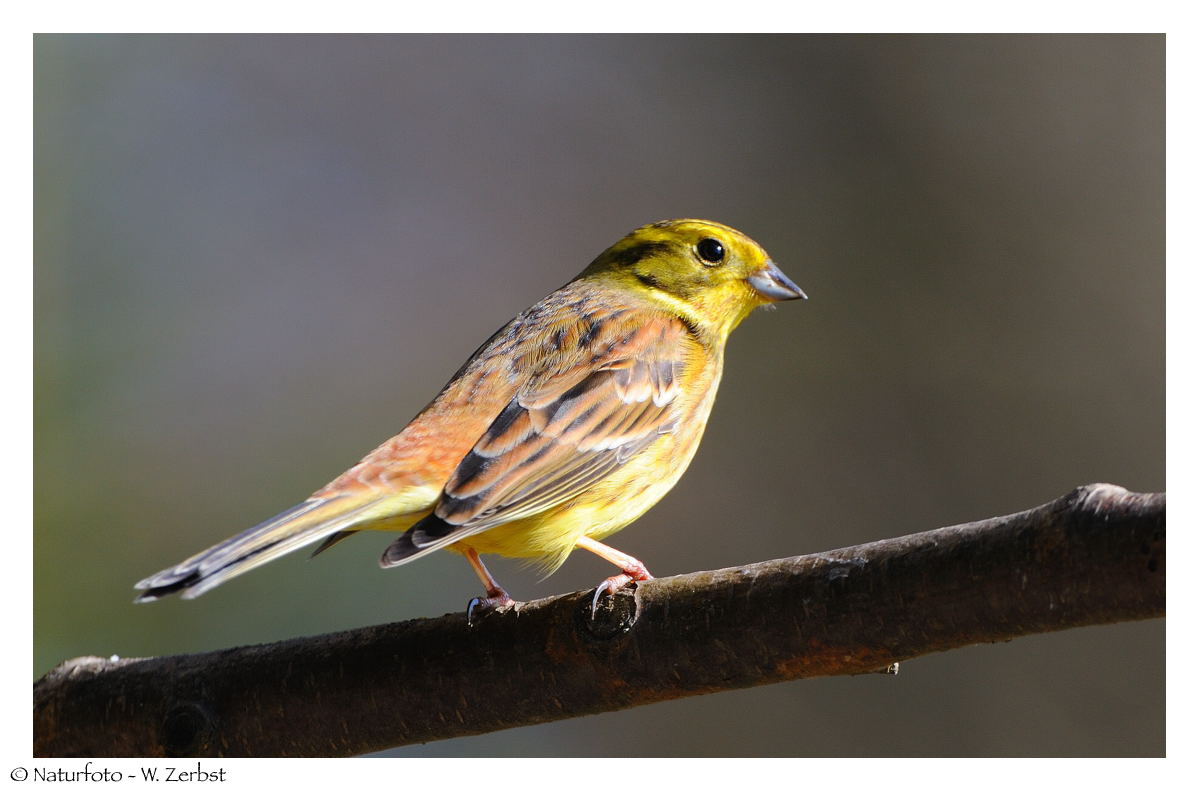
771	283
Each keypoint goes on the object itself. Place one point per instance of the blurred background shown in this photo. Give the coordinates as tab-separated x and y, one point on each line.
257	257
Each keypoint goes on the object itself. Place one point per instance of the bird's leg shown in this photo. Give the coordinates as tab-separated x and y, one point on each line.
633	569
497	597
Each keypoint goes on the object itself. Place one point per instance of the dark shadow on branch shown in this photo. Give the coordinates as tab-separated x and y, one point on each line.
1097	555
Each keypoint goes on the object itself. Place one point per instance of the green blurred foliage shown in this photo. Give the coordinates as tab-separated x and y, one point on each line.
258	256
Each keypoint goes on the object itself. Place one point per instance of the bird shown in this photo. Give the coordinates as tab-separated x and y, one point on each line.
566	425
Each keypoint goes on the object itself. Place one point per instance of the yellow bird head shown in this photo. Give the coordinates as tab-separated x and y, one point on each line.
709	274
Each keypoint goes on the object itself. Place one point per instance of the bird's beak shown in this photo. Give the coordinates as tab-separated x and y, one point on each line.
772	284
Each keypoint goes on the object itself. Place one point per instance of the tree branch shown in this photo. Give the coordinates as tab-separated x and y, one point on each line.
1097	555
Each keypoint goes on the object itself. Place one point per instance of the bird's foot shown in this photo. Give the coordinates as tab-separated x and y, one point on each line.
637	573
497	600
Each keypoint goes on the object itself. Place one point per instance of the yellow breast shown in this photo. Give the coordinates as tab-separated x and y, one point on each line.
620	498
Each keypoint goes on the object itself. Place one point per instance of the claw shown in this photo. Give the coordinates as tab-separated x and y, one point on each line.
497	598
497	602
613	584
634	570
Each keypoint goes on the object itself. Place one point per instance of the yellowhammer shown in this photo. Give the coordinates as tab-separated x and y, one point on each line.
566	425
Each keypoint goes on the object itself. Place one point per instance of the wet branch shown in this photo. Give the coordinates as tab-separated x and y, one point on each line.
1097	555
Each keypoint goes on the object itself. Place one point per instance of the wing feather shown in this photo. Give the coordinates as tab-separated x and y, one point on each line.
586	412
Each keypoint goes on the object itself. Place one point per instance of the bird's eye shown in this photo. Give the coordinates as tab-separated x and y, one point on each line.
711	251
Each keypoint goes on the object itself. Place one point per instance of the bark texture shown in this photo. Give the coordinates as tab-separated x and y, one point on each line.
1097	555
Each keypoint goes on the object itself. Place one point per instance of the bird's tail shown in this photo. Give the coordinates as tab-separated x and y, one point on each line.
304	524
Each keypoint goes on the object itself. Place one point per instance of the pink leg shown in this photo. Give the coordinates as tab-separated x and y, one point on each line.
497	597
633	569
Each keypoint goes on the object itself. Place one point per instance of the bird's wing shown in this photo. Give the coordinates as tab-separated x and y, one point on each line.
609	390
